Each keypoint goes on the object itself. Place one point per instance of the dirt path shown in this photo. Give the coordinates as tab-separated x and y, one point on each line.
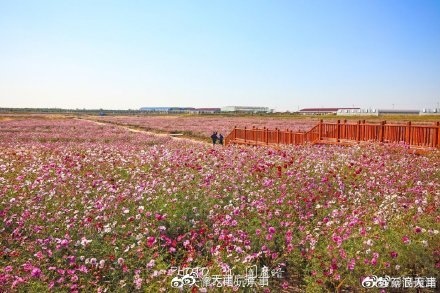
143	131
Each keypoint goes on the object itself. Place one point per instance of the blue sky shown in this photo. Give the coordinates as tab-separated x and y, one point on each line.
280	54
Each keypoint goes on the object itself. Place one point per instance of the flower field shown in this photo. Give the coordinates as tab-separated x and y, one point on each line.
87	207
203	126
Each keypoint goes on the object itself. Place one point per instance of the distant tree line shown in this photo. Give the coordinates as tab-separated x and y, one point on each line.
104	112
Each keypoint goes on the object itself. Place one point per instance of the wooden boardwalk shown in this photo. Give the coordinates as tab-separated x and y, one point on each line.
417	136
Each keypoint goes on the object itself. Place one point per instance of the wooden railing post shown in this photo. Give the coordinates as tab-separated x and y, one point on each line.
278	135
338	128
267	136
437	143
382	131
264	134
364	135
320	130
235	132
408	133
245	134
344	134
358	131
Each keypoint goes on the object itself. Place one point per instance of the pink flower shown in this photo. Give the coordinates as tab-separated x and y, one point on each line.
374	259
351	264
406	239
8	269
83	269
337	239
160	217
36	272
343	254
271	230
137	281
39	255
120	261
393	254
150	241
74	278
151	264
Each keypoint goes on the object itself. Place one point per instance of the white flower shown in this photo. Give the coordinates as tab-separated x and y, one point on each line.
151	264
84	241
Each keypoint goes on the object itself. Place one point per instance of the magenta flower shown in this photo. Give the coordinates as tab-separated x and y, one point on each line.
8	269
351	264
150	241
159	217
271	230
36	272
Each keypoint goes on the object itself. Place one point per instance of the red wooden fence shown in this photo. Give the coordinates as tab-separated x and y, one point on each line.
418	135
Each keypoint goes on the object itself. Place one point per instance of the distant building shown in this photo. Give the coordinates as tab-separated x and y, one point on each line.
205	110
156	109
179	110
167	110
375	112
430	112
322	111
246	109
398	112
357	112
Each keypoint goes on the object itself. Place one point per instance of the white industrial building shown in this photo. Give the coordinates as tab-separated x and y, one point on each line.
377	112
354	112
430	112
246	109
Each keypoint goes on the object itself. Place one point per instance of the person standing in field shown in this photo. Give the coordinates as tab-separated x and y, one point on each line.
214	138
220	139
